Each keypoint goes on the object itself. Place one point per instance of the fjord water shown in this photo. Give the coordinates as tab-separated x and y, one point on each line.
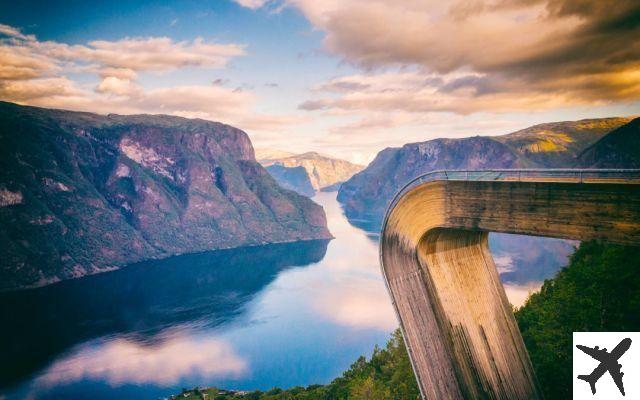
250	318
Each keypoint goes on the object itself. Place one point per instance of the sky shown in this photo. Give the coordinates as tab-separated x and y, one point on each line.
343	77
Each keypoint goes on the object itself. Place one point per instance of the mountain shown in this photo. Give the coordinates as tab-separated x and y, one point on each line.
323	172
82	193
618	149
365	196
557	144
292	178
367	193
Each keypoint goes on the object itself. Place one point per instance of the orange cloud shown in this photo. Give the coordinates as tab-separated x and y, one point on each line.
508	54
33	72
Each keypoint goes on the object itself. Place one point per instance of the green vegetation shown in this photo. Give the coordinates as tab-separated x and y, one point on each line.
386	375
598	291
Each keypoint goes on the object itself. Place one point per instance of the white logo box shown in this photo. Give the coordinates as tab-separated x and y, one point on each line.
623	346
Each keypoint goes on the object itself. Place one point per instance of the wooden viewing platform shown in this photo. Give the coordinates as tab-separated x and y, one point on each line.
462	337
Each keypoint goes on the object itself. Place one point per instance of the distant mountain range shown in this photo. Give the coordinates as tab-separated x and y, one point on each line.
307	173
595	143
82	193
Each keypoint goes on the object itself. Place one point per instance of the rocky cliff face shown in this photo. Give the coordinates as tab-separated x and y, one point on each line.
322	172
618	149
82	193
367	194
552	145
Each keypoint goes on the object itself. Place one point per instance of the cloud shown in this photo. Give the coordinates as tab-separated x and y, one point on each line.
432	68
504	263
116	72
363	134
343	85
554	52
196	98
375	109
14	33
252	4
41	89
28	57
518	294
24	57
122	361
420	92
118	86
274	123
113	95
156	54
220	81
34	72
19	63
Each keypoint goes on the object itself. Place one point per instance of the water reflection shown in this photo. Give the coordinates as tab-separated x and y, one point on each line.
347	287
123	361
254	318
525	259
524	262
142	303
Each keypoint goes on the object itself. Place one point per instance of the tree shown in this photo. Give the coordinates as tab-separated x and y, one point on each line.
598	291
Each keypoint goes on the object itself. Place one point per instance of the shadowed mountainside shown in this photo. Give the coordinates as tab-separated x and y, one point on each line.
82	193
618	149
292	178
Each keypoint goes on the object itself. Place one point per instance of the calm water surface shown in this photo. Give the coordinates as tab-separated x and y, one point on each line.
253	318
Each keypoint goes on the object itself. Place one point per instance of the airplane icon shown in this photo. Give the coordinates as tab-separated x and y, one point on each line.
608	363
